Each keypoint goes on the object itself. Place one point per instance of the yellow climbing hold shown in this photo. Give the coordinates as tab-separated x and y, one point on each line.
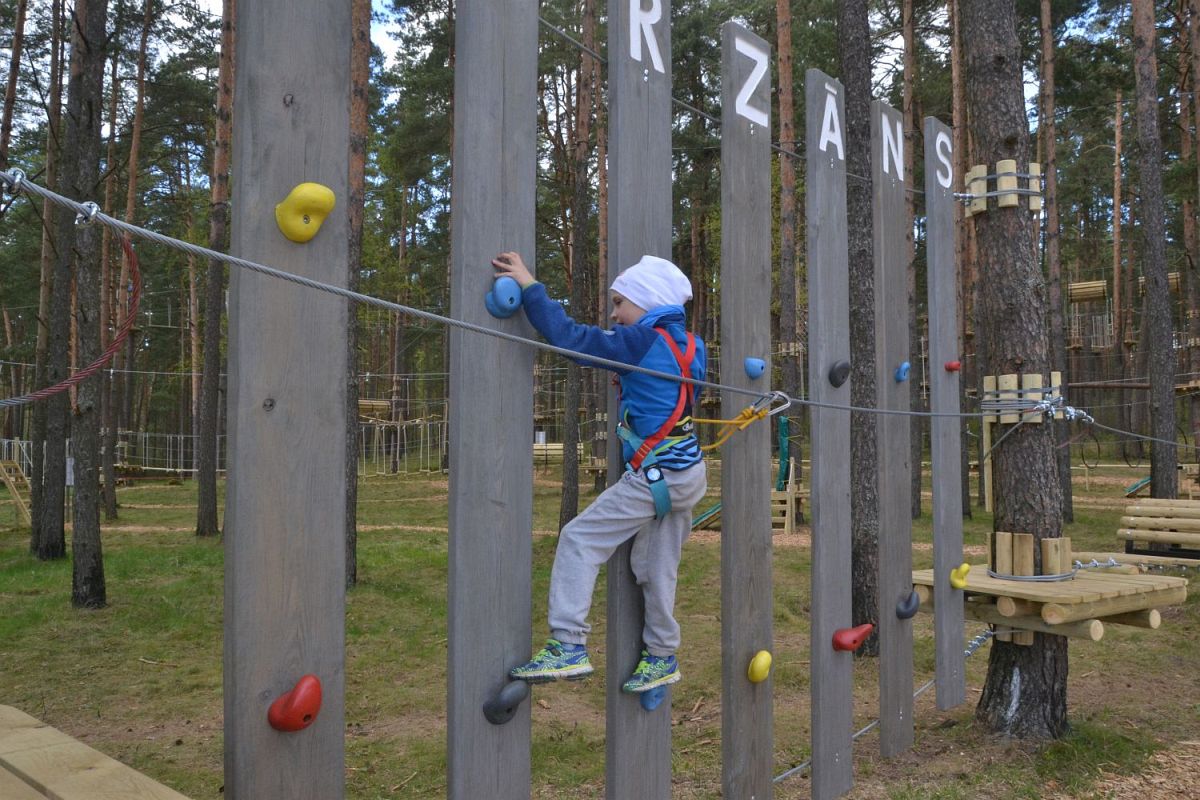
958	576
301	213
760	667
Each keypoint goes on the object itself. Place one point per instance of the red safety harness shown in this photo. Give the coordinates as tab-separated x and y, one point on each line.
686	394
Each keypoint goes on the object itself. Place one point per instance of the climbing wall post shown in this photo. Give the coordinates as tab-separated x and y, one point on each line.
638	744
829	369
894	371
491	393
285	521
944	370
746	602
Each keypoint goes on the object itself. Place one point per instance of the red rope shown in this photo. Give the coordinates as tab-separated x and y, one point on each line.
122	334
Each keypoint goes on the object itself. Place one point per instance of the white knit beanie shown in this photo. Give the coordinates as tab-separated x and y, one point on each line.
653	282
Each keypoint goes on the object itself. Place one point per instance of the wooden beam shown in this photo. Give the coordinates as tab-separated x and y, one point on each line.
491	472
894	432
638	743
829	348
1090	629
945	432
1059	613
285	529
1164	537
747	750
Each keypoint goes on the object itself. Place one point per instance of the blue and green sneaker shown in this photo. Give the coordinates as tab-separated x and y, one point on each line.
651	672
556	661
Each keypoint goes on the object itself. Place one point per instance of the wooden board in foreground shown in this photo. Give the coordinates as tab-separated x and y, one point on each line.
38	761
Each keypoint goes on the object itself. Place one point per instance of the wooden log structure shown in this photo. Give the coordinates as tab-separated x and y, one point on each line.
1120	599
1158	521
982	611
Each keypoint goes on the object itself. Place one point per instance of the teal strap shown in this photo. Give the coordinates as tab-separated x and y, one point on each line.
652	472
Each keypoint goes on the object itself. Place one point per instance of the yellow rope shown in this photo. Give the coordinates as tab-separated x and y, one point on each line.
746	417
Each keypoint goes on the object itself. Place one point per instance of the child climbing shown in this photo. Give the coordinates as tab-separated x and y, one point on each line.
664	478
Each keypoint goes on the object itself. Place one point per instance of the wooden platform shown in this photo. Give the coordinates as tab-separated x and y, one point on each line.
1071	606
18	487
38	762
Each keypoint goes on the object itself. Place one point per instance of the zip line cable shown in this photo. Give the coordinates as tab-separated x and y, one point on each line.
88	212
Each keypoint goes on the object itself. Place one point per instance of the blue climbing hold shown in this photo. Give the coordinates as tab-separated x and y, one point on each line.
908	606
504	298
755	367
902	372
653	698
503	705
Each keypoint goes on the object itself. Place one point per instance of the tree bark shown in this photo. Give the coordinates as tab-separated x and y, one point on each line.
81	248
207	523
789	338
964	251
1193	273
107	378
581	285
39	545
908	112
1058	349
854	43
10	90
1025	693
1159	350
360	75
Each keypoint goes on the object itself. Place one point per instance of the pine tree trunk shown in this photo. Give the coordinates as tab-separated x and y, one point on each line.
360	73
88	588
207	522
1193	273
908	112
963	252
1160	352
1058	333
42	548
600	444
581	285
790	362
1025	693
854	43
107	379
10	90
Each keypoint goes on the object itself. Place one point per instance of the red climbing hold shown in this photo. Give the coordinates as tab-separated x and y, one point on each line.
297	709
850	639
953	366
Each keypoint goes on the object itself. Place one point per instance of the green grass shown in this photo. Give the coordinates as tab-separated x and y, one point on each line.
141	680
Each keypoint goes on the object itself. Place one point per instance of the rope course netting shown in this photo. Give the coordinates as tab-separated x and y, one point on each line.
88	212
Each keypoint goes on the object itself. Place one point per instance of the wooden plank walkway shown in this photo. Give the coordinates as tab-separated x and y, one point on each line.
38	762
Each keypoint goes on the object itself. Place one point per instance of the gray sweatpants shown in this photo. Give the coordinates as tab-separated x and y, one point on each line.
624	510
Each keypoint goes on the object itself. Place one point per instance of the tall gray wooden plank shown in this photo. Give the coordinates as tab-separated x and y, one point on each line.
747	749
491	398
890	185
638	743
829	345
284	527
943	399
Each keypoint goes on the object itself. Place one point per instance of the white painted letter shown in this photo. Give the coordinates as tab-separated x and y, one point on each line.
892	144
831	128
742	104
642	22
944	151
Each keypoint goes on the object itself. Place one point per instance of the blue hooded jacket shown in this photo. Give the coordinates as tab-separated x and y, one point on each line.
646	401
